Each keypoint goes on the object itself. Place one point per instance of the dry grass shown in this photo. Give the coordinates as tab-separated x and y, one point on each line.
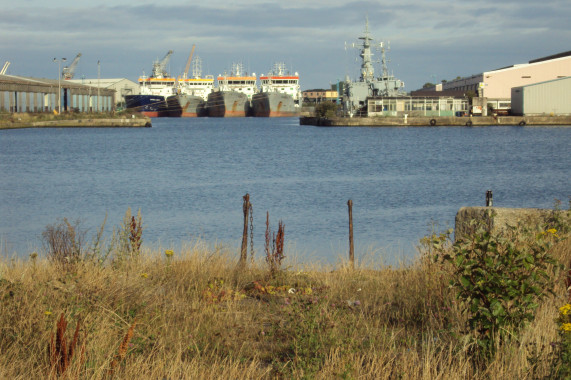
197	318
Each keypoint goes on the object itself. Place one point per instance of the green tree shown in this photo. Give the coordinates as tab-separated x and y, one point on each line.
326	109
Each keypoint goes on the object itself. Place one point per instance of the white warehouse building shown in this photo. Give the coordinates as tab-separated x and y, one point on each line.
496	85
545	98
122	86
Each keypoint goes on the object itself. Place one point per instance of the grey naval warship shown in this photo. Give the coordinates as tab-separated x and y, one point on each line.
355	93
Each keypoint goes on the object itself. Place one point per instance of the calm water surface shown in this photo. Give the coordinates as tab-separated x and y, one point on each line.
188	177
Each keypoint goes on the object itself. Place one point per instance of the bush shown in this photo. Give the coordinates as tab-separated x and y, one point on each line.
64	242
499	279
326	109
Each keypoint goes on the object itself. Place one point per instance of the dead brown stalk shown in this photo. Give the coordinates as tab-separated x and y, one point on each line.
61	351
275	248
136	234
122	351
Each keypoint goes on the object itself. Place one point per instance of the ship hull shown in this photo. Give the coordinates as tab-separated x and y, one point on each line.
192	106
228	104
274	104
148	105
186	106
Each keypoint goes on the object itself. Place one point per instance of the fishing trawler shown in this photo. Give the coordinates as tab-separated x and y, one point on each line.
279	94
234	93
153	91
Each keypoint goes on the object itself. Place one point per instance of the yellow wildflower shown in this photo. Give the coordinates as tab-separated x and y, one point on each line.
565	309
144	275
169	253
552	231
47	313
566	327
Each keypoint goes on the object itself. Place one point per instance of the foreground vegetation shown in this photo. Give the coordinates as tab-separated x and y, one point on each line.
489	307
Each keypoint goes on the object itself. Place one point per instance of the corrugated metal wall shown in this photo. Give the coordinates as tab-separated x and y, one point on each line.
552	97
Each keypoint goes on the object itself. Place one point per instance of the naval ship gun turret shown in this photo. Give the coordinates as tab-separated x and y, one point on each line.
356	92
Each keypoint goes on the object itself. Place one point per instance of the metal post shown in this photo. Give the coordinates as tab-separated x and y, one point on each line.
351	247
489	199
59	61
98	83
244	252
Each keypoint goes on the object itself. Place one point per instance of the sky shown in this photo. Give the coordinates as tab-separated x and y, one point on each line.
430	40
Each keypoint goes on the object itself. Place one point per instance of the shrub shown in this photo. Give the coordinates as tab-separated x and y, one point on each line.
500	278
326	109
64	242
128	237
563	348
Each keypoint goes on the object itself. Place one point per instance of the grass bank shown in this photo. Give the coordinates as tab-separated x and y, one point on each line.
192	314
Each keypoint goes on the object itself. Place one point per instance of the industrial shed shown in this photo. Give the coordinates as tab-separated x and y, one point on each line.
24	94
122	86
545	98
496	85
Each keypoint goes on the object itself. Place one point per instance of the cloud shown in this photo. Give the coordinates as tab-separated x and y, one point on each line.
429	39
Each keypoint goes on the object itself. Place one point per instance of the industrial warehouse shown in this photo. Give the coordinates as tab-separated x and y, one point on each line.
541	87
26	94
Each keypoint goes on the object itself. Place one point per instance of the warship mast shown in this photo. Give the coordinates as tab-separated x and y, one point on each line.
356	93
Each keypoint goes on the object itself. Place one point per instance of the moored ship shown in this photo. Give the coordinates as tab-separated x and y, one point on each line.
154	91
234	93
279	94
192	92
355	93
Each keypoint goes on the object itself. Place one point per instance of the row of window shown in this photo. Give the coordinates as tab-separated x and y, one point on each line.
280	81
240	82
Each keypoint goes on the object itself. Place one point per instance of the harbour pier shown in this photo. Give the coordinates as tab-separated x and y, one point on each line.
437	121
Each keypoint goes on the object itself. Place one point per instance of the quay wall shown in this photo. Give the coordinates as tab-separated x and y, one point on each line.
437	121
110	122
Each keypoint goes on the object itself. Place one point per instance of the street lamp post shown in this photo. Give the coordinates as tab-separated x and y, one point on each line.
98	83
59	61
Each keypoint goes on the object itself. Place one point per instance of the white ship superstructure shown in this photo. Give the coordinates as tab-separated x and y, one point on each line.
279	95
196	85
153	90
238	81
278	80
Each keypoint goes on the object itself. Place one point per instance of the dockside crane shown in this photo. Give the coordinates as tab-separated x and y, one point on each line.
185	74
5	68
68	71
159	67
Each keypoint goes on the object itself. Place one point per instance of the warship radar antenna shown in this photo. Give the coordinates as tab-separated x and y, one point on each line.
384	59
367	70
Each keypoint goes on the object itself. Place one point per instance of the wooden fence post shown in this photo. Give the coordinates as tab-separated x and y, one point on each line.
351	247
244	252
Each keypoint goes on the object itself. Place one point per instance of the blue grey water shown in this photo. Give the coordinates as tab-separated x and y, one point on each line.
188	176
